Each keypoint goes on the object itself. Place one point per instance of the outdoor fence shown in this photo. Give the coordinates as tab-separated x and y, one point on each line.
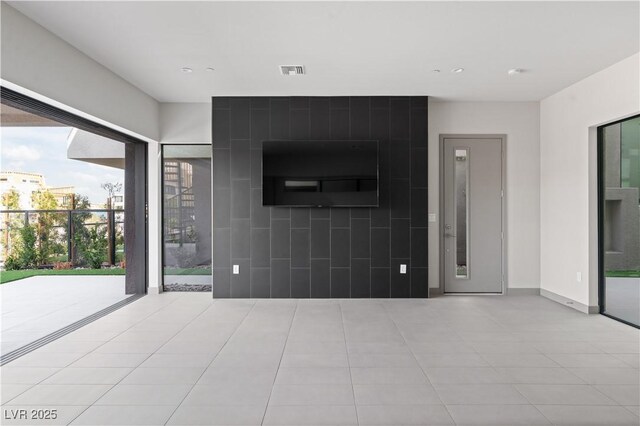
61	232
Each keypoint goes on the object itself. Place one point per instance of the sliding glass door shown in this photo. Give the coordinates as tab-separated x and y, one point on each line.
619	178
186	217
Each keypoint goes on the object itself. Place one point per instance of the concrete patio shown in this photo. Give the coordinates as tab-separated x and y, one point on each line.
37	306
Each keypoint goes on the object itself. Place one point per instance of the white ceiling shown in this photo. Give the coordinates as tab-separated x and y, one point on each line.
348	48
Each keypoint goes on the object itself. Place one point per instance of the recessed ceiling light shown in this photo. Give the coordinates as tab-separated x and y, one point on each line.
515	71
186	69
457	70
209	69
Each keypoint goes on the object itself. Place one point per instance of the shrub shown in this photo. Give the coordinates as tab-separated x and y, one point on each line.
95	251
11	263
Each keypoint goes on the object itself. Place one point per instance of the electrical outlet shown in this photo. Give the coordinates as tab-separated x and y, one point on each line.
579	277
432	217
236	269
403	268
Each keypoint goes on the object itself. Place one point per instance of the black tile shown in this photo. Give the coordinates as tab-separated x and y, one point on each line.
260	248
261	282
260	215
380	247
339	124
279	118
400	283
300	218
221	128
419	247
360	213
360	238
222	208
380	283
280	213
241	283
340	283
299	102
320	213
259	127
256	168
419	102
380	124
339	102
260	102
340	247
300	283
240	118
221	248
320	278
419	133
360	278
419	212
419	172
320	238
400	118
300	123
240	199
300	248
383	161
220	102
280	278
240	159
379	102
399	159
380	217
400	246
221	283
419	282
320	118
400	199
221	170
339	218
280	238
359	118
240	238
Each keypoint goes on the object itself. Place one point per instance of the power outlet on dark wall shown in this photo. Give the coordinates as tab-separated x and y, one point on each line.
319	252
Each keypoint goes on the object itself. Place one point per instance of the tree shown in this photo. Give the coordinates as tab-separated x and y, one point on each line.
46	236
11	199
112	189
10	234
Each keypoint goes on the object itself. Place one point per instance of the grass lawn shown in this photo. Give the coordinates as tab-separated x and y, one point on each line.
623	274
8	276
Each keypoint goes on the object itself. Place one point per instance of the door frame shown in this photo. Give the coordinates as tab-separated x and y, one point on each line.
136	185
503	258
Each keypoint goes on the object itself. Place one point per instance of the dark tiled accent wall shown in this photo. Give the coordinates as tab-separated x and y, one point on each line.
313	252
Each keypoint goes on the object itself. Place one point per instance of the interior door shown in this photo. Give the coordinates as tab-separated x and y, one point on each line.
472	221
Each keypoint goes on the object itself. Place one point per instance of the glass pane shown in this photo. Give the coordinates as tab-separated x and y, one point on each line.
621	220
461	184
187	217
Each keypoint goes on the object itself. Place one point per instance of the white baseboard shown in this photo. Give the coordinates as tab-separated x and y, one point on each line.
569	302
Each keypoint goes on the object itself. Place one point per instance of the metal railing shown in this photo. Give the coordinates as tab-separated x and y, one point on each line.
65	224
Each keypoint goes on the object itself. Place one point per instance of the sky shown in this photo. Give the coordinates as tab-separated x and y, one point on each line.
43	150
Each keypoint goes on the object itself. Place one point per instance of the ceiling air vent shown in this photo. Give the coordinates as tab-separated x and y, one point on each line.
292	69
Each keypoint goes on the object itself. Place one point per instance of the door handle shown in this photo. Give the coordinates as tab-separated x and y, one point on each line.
449	235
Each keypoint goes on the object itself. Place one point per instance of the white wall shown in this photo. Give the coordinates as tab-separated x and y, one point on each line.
185	122
568	197
54	71
520	122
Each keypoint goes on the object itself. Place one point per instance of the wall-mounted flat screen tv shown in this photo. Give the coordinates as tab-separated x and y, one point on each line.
320	173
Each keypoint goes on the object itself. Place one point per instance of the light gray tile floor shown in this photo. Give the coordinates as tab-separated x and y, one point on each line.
37	306
185	359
